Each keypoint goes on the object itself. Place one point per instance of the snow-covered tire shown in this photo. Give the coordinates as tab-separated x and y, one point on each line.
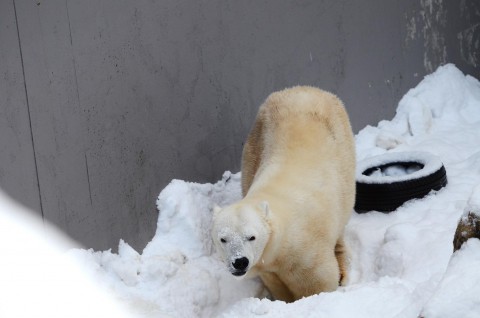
423	172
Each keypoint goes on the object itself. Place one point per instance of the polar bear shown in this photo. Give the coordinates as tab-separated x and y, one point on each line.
298	186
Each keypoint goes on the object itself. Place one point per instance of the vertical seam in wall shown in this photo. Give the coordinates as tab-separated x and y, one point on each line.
88	180
28	110
78	95
73	57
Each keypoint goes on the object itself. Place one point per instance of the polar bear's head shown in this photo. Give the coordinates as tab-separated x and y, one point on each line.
240	233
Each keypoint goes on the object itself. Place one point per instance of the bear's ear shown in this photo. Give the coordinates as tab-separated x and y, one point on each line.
265	209
216	210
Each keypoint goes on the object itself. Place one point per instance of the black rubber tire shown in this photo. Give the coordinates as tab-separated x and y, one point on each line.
387	197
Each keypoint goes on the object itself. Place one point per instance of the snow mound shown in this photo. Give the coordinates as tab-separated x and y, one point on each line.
401	262
473	205
177	274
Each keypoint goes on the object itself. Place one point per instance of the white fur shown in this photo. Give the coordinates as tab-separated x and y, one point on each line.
298	181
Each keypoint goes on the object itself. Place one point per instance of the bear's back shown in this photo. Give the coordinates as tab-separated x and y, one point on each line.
309	105
301	99
306	133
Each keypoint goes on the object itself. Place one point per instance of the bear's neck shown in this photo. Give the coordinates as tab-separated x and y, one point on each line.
276	226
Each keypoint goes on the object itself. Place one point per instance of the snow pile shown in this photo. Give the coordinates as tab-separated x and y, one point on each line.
176	275
473	205
401	266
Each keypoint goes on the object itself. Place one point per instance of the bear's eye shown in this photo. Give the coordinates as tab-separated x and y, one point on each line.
223	240
251	238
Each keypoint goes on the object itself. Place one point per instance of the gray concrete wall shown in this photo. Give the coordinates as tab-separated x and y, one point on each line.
103	102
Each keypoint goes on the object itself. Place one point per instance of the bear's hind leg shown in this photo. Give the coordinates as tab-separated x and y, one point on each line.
341	253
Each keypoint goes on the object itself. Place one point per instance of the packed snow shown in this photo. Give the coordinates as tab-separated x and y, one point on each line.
402	263
473	204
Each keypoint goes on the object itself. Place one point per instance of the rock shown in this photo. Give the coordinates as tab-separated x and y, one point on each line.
468	227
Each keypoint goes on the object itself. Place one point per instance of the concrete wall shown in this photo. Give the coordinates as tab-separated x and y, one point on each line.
103	102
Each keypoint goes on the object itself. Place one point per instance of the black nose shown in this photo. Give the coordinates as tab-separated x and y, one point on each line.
240	263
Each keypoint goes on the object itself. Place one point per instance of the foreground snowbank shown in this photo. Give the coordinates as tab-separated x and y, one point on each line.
401	266
36	279
457	293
